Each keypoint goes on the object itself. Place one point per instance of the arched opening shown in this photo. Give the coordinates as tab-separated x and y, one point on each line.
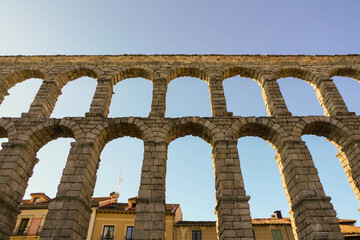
243	97
349	90
261	178
48	171
47	144
132	97
190	178
187	96
2	140
300	97
120	156
332	177
20	98
76	98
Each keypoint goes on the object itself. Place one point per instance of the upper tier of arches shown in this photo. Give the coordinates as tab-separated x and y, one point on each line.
56	77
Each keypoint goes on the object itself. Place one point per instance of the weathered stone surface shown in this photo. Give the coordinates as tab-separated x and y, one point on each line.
312	213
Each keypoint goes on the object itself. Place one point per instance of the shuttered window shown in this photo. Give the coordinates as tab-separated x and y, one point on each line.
276	234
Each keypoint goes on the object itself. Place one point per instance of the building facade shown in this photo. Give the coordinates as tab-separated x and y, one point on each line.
111	220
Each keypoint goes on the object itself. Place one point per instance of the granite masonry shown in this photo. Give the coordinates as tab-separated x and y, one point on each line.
312	214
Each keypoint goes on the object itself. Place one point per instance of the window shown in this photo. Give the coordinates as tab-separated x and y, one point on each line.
36	200
276	234
108	233
196	235
129	233
23	226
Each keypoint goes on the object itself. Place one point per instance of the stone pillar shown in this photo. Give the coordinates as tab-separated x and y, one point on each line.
312	214
330	98
274	101
349	157
158	105
3	92
16	166
69	213
150	206
217	97
44	101
100	104
232	207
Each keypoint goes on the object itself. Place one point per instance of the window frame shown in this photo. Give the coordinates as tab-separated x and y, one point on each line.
22	231
104	237
197	234
127	237
276	231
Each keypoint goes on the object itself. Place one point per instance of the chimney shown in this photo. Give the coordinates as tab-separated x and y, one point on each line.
114	195
278	214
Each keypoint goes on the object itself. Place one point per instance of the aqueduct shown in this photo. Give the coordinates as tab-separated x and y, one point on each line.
312	214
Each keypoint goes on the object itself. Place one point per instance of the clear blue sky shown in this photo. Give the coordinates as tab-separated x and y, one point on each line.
185	27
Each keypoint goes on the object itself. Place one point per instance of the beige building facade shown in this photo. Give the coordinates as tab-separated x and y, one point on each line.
111	220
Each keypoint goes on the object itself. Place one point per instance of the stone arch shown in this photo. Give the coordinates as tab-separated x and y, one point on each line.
126	73
103	94
195	72
133	72
117	128
255	74
264	128
299	176
230	194
20	153
316	81
52	89
194	126
7	129
333	130
248	72
73	73
52	129
333	100
345	71
200	73
297	72
18	76
342	138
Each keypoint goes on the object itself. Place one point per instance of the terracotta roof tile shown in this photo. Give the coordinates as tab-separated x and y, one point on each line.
98	199
271	220
196	223
347	221
170	208
41	194
349	230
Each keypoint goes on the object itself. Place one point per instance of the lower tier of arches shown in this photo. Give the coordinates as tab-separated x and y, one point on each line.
312	214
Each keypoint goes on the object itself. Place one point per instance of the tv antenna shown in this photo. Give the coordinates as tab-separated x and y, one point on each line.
120	181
